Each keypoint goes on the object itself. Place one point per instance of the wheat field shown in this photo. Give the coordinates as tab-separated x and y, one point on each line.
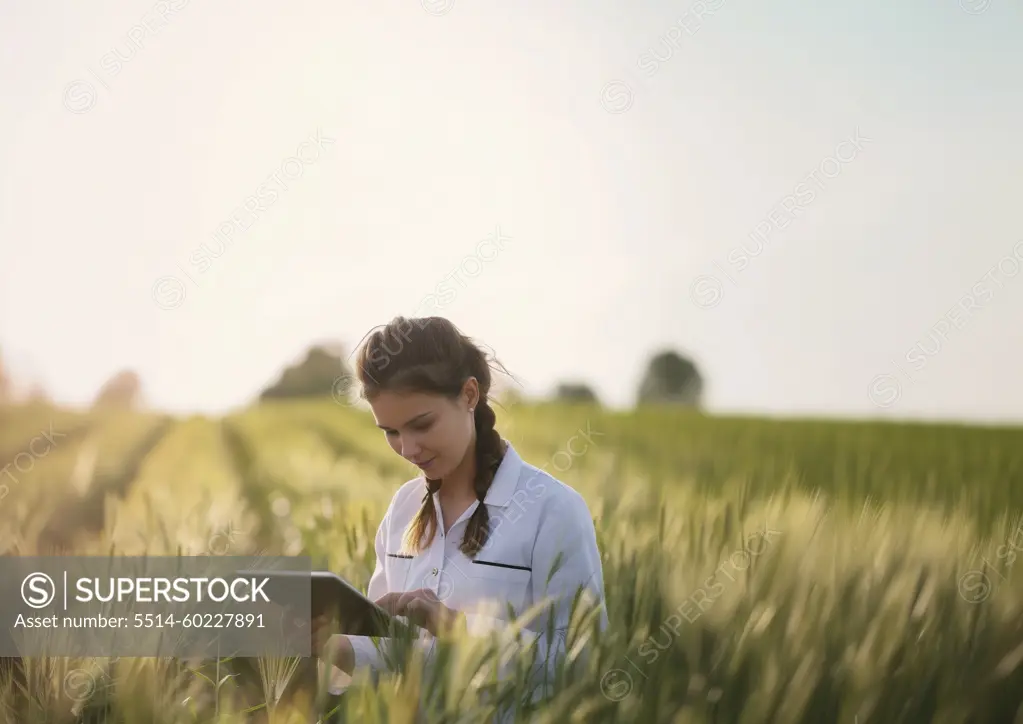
755	571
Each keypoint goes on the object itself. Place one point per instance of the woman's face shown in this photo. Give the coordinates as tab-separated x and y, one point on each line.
432	432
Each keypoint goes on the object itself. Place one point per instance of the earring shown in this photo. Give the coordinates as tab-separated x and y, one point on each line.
472	410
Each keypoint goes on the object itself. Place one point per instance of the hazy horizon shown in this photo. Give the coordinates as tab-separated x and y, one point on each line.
813	203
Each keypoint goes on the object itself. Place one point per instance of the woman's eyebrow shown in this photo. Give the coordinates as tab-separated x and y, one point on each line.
409	422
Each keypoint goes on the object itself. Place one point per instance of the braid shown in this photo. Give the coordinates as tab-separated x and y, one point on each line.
425	522
488	459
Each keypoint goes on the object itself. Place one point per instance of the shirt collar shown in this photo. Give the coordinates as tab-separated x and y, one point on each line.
506	479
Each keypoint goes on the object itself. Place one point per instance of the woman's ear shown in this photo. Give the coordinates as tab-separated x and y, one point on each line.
471	392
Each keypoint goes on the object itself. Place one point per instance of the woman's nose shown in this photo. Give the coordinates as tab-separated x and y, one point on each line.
409	448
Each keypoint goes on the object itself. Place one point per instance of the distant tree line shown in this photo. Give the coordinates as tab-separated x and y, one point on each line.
669	378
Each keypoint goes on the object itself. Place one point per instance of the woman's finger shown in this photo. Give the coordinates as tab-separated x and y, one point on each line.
412	595
388	602
407	598
417	610
396	601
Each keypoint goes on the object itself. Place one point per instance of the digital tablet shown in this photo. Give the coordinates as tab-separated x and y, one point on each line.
332	595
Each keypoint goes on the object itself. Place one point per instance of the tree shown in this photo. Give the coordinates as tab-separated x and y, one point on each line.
673	379
123	391
315	376
575	392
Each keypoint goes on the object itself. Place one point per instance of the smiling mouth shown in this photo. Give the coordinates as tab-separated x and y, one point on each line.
426	463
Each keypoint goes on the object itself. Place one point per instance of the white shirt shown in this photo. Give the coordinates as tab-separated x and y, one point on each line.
536	522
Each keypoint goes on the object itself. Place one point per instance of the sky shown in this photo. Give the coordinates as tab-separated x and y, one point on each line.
817	203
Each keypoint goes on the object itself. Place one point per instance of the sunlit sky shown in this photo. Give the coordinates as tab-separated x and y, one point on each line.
625	207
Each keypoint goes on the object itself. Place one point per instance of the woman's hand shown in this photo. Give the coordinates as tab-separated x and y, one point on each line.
421	607
331	648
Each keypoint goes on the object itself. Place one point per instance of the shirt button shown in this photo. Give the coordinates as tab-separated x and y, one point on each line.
435	571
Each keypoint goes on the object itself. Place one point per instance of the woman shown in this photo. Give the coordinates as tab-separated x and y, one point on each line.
480	528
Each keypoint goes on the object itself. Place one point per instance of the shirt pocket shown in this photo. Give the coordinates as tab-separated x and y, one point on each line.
496	585
396	570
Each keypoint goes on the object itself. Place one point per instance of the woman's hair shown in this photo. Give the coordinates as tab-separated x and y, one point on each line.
430	355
